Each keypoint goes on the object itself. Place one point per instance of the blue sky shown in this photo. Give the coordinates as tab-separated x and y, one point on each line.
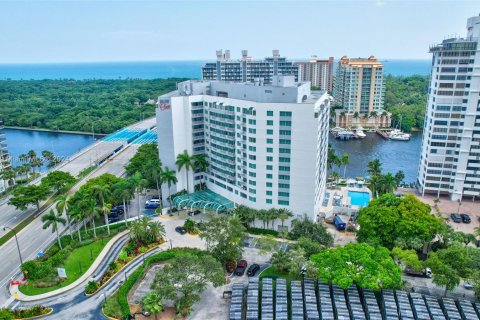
76	31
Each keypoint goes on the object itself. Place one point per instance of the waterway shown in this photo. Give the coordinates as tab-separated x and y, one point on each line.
394	155
62	145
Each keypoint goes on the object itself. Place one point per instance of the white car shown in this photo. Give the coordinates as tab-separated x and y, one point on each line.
153	201
468	285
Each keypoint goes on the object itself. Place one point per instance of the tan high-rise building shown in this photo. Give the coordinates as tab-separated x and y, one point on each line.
359	89
318	72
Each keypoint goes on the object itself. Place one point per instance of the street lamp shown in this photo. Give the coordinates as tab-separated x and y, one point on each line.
93	134
304	272
16	240
171	246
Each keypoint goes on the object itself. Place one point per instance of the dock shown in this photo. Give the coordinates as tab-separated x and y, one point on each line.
382	134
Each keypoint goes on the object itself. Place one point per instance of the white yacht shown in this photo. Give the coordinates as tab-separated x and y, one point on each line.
359	132
399	135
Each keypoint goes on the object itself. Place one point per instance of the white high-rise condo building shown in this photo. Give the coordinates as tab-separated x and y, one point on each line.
247	69
450	155
266	144
4	159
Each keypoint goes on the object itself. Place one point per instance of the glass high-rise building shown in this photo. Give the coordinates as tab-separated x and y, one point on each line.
450	154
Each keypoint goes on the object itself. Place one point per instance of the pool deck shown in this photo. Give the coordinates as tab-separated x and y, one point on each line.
338	201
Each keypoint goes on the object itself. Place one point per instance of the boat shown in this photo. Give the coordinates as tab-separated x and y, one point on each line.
398	135
359	132
336	130
345	135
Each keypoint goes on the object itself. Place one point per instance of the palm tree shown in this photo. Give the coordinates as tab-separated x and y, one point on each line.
154	172
52	220
477	231
123	190
459	205
36	163
23	157
345	160
271	215
200	163
335	176
63	206
139	184
100	192
355	116
245	214
374	185
153	303
184	160
8	176
388	183
263	216
374	167
399	176
169	177
284	214
91	211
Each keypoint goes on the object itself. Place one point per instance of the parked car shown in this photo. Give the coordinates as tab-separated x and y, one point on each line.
194	212
466	218
253	269
456	217
153	200
241	266
478	243
114	219
467	285
152	205
180	230
117	210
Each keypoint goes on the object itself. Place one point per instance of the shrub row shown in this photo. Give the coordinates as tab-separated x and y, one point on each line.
260	231
7	314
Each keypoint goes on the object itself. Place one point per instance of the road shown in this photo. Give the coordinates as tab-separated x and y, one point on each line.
33	238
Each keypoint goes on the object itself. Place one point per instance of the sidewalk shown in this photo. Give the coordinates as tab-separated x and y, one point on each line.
17	295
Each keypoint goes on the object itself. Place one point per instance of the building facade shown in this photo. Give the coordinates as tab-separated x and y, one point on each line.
450	154
318	72
266	144
359	88
4	158
247	69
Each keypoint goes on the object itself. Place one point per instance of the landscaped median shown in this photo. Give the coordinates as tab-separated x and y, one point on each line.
29	313
79	263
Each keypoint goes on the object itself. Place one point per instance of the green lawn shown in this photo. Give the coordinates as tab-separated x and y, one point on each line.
112	306
271	273
80	257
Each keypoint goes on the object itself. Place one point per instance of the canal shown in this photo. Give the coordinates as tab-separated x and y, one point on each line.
394	155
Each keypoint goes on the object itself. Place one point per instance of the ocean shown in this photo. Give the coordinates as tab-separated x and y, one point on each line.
154	70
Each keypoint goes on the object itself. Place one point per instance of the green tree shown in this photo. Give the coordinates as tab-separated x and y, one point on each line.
154	173
57	180
245	214
185	277
139	184
408	257
304	227
309	246
374	168
443	274
91	212
280	261
358	263
153	303
200	163
124	191
399	176
62	206
184	160
100	192
145	232
189	226
23	196
389	218
169	177
296	261
284	214
51	158
388	183
51	220
224	237
332	158
345	160
8	176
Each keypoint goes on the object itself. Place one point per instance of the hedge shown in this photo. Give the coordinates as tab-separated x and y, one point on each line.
260	231
137	274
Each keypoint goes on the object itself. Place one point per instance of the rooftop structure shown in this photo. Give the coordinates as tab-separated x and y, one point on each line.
319	72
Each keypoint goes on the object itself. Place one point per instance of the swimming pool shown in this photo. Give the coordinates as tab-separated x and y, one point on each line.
358	198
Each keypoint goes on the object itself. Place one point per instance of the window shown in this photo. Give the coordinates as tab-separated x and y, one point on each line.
269	167
269	193
270	113
283	159
285	141
252	183
269	122
283	177
270	141
269	159
283	202
284	150
253	191
253	199
269	176
285	132
269	201
284	123
285	114
270	150
269	131
269	184
283	168
284	185
283	194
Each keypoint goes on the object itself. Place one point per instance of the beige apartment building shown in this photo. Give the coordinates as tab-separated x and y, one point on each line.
360	92
319	72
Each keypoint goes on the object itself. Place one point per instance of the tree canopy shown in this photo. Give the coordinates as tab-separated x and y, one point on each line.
358	263
23	196
304	227
402	222
107	105
223	236
57	180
